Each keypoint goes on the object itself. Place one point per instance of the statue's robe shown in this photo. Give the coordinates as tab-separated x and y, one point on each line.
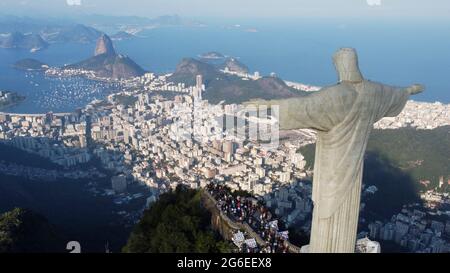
343	116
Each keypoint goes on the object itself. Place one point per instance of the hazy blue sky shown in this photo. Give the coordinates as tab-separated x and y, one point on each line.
420	9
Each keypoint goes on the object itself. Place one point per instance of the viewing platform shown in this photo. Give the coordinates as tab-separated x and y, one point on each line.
227	227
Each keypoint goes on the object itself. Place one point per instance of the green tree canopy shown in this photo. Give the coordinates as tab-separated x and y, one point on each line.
25	231
176	223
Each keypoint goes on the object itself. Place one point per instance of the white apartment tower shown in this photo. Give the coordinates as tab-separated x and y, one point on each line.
199	87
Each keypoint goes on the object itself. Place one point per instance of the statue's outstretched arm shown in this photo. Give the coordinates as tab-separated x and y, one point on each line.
415	89
297	113
400	95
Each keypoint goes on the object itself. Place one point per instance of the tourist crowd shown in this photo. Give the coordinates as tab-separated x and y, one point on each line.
256	215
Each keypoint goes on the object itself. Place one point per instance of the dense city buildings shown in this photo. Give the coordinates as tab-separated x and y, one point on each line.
420	115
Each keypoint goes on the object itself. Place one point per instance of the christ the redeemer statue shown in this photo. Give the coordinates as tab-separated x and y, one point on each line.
343	116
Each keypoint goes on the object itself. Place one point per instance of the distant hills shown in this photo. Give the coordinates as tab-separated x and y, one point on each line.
56	34
134	24
122	35
212	55
77	33
10	23
230	88
37	33
51	30
18	40
87	28
107	63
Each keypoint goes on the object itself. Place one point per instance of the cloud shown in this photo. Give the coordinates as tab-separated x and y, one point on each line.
374	2
73	2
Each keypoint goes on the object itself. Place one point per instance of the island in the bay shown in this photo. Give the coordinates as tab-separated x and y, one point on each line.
31	65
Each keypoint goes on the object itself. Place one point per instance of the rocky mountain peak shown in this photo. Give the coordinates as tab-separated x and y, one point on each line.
104	46
235	66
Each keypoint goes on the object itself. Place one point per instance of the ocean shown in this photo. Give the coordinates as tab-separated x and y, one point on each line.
397	53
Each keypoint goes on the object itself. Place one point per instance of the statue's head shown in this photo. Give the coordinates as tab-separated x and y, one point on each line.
346	63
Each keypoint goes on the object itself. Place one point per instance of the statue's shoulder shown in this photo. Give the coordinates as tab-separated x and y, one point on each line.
339	97
339	89
373	84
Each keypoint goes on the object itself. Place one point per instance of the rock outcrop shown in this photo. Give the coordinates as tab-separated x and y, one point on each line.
233	65
104	46
108	64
